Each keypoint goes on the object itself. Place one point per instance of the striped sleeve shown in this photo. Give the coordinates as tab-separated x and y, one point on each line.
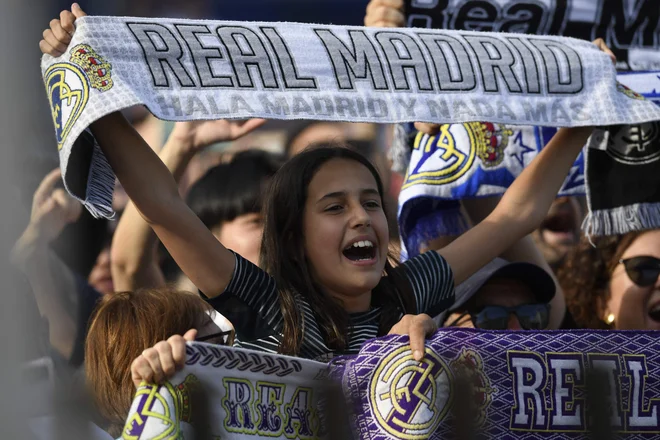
432	282
256	289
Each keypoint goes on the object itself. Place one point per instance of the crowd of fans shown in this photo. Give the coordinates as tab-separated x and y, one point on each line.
235	238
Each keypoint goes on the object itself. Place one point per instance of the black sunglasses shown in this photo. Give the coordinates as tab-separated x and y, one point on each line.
227	338
530	316
642	270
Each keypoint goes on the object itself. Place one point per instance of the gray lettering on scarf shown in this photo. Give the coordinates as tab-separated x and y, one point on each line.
286	62
300	106
161	48
172	104
438	108
451	61
240	105
578	112
193	105
342	106
196	107
496	63
408	106
274	106
504	112
349	64
323	106
404	55
345	107
529	65
245	50
536	112
483	107
462	110
377	108
563	66
202	55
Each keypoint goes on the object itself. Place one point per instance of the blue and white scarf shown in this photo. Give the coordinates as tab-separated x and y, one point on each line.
430	209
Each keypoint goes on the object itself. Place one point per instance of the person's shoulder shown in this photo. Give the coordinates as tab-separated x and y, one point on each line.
426	261
432	281
246	272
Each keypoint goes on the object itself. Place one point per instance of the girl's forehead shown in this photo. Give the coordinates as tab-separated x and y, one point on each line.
342	174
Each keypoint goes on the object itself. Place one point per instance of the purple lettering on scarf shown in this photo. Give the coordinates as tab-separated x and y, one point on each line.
522	382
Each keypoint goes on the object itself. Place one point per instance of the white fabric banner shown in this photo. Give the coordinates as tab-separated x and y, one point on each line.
183	70
187	70
247	394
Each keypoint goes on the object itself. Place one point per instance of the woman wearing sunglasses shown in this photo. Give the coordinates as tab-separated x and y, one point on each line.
504	296
615	284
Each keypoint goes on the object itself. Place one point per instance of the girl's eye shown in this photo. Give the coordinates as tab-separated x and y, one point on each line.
372	204
333	208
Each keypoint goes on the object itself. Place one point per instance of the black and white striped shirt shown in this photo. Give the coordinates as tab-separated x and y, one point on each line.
251	303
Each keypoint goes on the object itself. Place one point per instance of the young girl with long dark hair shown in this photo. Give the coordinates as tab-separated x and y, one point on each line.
325	285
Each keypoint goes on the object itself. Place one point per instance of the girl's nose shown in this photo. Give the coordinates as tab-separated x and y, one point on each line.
361	217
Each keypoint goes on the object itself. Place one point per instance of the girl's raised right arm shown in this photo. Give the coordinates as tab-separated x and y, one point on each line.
151	187
154	192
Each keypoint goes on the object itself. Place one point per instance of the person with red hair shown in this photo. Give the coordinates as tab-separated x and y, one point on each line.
124	325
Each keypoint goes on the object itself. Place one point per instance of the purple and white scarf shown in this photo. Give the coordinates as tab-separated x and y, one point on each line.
523	385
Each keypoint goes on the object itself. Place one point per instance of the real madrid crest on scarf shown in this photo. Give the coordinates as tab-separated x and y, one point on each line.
68	85
622	175
446	157
158	409
410	398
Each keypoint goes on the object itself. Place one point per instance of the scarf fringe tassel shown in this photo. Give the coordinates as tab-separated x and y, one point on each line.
621	220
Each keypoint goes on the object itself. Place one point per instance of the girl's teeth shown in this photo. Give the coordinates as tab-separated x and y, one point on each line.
364	243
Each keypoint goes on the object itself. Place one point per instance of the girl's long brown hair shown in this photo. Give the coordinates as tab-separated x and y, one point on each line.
122	326
585	277
283	255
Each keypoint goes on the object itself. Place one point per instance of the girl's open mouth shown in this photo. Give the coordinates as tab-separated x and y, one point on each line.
359	251
559	228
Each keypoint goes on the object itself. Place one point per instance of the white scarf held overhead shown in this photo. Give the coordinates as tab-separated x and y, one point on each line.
187	70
